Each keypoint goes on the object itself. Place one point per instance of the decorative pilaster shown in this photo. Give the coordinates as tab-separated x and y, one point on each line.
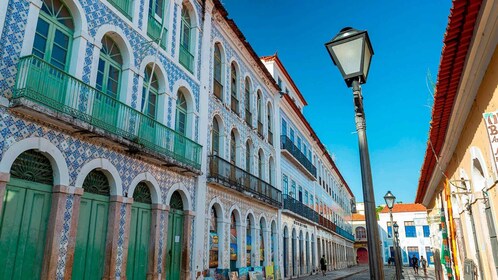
157	242
116	251
187	233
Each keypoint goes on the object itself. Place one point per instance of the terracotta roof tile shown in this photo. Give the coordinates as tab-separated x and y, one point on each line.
358	217
405	207
459	34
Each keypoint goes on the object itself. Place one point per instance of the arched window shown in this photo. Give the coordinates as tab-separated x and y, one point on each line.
259	111
215	138
157	19
360	233
248	156
260	164
109	68
213	239
247	95
181	114
217	75
151	83
271	171
248	241
186	41
270	126
234	101
233	148
54	34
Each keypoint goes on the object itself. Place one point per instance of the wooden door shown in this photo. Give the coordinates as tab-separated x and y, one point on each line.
138	246
174	245
23	226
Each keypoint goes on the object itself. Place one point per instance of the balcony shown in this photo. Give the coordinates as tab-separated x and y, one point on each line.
154	32
326	223
344	233
231	176
297	157
260	129
56	97
299	208
186	58
248	118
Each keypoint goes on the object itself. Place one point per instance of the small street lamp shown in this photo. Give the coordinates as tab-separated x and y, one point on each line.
390	199
397	252
352	52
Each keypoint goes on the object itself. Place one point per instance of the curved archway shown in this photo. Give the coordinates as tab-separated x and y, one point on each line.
151	182
107	168
184	194
54	155
235	238
250	237
216	236
362	255
263	241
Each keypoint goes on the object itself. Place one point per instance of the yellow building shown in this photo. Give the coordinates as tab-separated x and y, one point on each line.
459	173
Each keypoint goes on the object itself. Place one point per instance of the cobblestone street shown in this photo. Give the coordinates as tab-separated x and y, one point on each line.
361	273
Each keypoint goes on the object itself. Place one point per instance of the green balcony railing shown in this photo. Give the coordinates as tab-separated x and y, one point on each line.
46	85
154	31
186	58
123	6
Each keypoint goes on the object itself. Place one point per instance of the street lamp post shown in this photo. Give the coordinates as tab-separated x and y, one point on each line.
390	199
352	52
397	258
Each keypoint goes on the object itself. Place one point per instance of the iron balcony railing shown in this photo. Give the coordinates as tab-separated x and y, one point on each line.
248	118
154	31
186	58
344	233
236	178
218	89
299	208
287	144
42	83
326	223
123	6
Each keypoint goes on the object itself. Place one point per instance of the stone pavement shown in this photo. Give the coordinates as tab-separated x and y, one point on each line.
361	272
409	274
338	274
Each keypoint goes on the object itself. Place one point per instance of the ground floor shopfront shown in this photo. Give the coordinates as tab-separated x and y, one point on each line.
74	209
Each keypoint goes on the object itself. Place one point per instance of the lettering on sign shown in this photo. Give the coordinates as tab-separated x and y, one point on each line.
491	121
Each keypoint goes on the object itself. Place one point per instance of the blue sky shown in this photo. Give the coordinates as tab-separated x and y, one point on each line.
407	40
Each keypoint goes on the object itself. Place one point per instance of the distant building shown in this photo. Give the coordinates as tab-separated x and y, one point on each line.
414	232
360	237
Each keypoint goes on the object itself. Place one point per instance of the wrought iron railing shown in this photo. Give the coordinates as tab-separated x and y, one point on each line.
287	144
248	118
123	6
344	233
42	83
186	58
299	208
218	89
154	31
324	222
236	178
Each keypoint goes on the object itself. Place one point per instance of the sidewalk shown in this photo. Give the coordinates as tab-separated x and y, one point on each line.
338	274
409	274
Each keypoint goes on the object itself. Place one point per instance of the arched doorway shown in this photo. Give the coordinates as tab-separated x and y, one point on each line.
294	253
215	237
24	219
362	254
89	253
175	237
138	244
234	241
301	252
262	229
249	230
286	253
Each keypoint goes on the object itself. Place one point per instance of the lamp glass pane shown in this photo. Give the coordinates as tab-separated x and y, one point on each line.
367	58
349	55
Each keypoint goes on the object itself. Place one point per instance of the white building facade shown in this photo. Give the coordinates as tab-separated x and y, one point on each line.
146	134
414	232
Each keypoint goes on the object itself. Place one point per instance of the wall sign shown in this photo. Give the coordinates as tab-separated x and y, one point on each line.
491	121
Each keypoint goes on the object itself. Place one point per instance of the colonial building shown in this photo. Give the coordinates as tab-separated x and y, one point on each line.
140	139
414	232
360	238
459	173
316	211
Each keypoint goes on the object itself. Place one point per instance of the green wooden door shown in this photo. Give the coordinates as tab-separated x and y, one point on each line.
23	226
174	249
89	253
138	246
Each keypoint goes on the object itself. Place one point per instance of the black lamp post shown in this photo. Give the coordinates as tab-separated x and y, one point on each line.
352	52
390	199
397	258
